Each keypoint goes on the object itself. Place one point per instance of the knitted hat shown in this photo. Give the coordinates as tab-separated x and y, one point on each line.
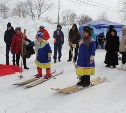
42	27
9	24
40	34
59	26
17	29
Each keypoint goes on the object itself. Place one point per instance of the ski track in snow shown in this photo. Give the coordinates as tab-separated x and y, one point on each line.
109	97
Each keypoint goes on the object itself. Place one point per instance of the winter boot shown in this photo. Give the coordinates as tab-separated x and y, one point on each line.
69	60
80	83
114	66
59	59
25	67
121	67
85	80
54	60
48	73
107	65
39	73
7	62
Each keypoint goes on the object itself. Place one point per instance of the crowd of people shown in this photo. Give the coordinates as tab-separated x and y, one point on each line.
84	48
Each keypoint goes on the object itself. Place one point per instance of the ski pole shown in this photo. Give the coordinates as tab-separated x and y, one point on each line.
22	54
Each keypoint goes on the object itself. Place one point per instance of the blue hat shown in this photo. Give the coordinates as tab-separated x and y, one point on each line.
40	34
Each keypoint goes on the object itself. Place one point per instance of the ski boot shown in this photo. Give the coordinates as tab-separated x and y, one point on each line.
48	74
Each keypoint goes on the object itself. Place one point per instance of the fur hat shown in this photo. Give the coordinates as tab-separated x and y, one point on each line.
87	29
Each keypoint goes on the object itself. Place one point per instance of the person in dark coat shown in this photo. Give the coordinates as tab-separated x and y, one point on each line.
101	38
112	48
58	42
108	35
74	38
8	35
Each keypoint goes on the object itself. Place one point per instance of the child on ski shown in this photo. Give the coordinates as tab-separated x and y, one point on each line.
43	55
85	63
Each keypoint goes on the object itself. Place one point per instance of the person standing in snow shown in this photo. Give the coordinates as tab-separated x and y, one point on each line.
74	38
16	46
101	38
108	35
8	35
112	48
85	62
122	50
58	43
43	55
44	32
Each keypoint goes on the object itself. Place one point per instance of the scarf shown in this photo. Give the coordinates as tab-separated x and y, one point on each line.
87	40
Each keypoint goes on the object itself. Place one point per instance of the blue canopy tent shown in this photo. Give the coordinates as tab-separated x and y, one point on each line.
101	26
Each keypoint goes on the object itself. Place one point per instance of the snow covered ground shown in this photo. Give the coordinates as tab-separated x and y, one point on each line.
109	97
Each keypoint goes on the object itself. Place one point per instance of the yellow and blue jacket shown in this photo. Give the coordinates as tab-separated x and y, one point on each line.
43	52
86	54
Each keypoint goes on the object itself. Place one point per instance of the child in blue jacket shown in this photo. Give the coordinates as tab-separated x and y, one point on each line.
43	55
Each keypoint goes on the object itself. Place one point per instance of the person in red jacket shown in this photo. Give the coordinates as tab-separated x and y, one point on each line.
16	46
45	32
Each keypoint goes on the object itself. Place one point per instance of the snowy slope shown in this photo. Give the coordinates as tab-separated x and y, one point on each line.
109	97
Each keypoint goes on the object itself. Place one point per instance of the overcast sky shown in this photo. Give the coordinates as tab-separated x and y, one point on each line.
112	8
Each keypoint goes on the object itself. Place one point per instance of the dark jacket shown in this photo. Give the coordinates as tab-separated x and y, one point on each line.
58	37
112	44
74	36
27	51
101	39
8	35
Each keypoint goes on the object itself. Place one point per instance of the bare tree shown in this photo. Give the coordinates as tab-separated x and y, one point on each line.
123	9
48	20
20	10
69	17
31	8
4	9
84	19
41	7
103	16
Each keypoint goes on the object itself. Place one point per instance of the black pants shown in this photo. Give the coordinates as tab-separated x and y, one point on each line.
86	79
75	51
7	55
18	59
102	45
124	57
57	48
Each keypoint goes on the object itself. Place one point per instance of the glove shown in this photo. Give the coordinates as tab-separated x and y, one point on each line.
49	56
91	61
11	51
91	58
